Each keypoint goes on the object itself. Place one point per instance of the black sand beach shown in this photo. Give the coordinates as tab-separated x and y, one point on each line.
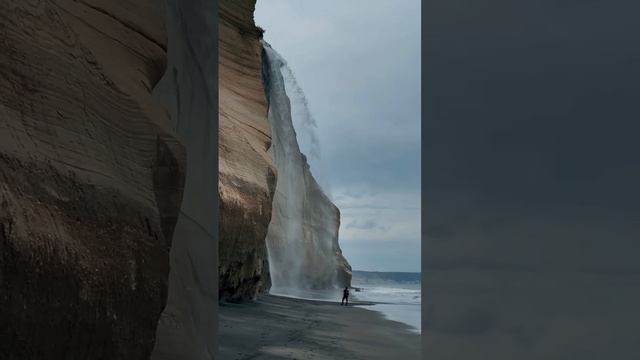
276	327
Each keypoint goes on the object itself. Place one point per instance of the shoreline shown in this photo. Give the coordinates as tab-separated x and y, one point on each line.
277	327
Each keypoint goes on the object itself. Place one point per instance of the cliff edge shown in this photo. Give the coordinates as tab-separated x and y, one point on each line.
264	239
247	175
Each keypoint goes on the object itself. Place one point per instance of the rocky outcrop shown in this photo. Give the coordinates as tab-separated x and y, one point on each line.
321	222
91	179
247	177
188	326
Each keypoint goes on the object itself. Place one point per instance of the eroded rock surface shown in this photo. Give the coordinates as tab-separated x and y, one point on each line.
321	223
91	179
247	176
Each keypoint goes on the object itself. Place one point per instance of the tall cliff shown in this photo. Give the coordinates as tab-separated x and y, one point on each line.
247	176
252	217
302	238
188	326
91	179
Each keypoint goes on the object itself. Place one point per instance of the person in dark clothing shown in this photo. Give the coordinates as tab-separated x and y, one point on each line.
345	296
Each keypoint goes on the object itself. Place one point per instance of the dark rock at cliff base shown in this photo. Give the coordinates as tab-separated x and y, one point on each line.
91	179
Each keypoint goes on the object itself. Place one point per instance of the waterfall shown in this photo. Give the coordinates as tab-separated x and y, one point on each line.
305	125
302	238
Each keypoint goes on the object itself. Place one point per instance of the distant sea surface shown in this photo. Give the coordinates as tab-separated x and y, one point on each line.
397	295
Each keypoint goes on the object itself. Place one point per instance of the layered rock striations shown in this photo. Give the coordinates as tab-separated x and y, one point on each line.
107	229
247	176
91	179
254	223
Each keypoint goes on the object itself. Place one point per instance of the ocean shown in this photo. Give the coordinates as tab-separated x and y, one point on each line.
396	295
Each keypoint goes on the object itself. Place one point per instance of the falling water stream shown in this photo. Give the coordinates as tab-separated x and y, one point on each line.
306	127
302	236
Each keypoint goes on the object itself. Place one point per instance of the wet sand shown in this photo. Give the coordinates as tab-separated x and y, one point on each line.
276	327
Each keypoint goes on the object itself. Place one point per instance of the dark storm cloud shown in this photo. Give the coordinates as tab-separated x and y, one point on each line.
531	167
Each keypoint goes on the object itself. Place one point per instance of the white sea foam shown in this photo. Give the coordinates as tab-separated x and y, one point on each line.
402	303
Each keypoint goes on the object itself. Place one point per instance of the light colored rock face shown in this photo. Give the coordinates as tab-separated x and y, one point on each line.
187	328
90	179
247	177
321	222
302	238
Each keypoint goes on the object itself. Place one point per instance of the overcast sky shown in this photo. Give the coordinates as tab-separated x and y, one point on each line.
532	205
358	62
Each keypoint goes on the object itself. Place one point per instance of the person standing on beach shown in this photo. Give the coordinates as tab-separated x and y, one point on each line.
345	296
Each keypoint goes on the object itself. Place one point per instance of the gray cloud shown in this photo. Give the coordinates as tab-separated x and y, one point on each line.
360	72
378	255
361	76
531	161
365	225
